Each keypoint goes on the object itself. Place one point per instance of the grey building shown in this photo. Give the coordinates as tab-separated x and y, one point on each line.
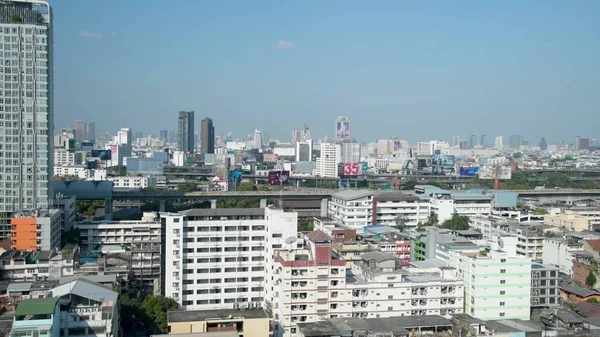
91	132
27	58
545	290
207	136
185	131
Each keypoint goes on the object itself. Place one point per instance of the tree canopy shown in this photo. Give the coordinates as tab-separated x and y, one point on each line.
457	222
146	317
591	279
88	207
432	219
188	186
119	170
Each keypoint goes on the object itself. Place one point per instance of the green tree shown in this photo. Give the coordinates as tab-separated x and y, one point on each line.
457	222
150	189
119	170
432	219
540	211
88	207
517	155
556	179
306	224
400	222
246	187
71	236
264	188
155	307
188	186
591	279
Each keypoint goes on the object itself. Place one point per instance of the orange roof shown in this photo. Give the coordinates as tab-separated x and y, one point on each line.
595	244
318	236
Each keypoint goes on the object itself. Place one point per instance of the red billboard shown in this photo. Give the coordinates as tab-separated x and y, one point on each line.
279	178
349	169
270	157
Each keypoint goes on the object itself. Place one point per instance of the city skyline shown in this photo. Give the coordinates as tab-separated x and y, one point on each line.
431	71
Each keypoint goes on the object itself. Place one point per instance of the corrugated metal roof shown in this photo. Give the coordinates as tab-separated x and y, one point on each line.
19	287
87	289
38	306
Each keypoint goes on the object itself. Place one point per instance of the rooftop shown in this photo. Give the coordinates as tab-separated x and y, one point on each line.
37	306
395	196
349	195
348	325
223	212
210	315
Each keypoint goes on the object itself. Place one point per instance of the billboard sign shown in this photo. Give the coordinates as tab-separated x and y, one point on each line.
350	169
279	178
493	172
270	157
469	171
440	160
342	128
102	154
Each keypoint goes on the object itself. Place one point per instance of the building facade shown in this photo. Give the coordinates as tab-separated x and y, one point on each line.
327	163
185	131
37	230
207	136
220	258
28	100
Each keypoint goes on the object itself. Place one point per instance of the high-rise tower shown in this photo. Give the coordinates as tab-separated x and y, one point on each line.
27	82
185	131
207	136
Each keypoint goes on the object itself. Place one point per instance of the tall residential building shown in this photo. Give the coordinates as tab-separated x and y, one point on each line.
124	137
497	282
207	136
80	130
257	141
185	131
516	141
330	157
28	100
91	132
221	258
582	143
472	141
498	143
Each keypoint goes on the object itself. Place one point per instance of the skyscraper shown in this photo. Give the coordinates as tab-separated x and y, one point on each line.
483	141
543	144
28	71
91	132
80	129
185	131
258	141
516	141
472	141
207	136
164	135
499	143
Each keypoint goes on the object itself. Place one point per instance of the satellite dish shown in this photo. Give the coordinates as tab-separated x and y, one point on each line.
291	240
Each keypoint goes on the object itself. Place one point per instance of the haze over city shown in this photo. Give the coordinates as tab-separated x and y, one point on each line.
415	70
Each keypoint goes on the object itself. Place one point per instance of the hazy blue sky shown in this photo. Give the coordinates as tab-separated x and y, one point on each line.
418	70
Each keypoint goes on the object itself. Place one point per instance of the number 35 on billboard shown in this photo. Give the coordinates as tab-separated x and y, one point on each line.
351	169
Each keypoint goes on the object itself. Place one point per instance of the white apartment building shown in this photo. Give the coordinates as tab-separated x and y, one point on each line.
133	181
220	258
530	236
327	163
20	265
430	147
304	150
64	157
350	152
314	284
359	208
70	171
497	282
472	204
26	106
352	208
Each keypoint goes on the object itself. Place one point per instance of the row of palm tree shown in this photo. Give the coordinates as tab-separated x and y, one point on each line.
456	222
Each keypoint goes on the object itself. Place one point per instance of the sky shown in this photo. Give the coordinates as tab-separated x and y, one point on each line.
417	70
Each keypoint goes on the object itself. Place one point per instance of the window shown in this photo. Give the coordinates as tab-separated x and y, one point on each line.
390	297
502	314
502	281
502	292
277	235
502	260
502	271
390	285
502	304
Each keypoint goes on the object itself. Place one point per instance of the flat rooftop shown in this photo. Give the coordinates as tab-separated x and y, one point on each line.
204	315
224	212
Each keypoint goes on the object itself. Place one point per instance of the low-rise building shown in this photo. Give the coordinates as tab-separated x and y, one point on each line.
430	325
36	229
20	265
37	317
247	323
568	220
545	286
133	181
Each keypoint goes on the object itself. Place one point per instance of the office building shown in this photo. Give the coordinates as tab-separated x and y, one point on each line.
543	144
483	141
80	130
244	322
432	147
301	135
327	162
350	152
164	135
257	140
498	281
145	166
91	132
124	137
27	159
185	131
582	143
342	129
304	150
221	258
472	141
516	141
207	143
133	181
